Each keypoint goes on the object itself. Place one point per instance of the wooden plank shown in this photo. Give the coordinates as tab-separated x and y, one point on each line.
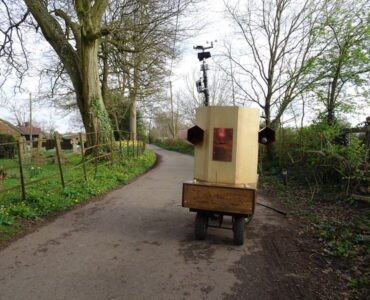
219	198
229	185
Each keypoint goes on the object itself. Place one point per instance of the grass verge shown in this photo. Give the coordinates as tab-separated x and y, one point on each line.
175	145
15	213
340	229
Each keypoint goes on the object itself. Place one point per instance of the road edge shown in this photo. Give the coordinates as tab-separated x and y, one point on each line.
30	226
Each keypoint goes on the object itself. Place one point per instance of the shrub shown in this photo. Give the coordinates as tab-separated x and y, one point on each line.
321	154
176	145
7	151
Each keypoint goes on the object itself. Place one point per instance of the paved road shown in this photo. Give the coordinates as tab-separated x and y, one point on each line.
137	243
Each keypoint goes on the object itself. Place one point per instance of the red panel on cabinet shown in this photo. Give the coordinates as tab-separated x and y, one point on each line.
222	144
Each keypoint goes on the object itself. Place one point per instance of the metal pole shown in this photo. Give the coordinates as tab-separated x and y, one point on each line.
205	79
172	112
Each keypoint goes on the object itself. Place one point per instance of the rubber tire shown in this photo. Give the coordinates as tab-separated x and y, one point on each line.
201	225
239	230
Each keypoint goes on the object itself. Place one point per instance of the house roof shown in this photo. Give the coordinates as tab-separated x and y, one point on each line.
11	125
70	136
23	130
27	130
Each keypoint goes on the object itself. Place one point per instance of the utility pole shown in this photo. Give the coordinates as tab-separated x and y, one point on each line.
31	119
232	81
172	113
174	131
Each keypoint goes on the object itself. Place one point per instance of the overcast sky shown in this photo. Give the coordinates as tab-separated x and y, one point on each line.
217	29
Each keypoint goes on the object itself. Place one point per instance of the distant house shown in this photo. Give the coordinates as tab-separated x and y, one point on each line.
8	128
71	136
26	131
183	134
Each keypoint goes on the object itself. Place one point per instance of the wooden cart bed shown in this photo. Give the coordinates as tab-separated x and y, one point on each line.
223	198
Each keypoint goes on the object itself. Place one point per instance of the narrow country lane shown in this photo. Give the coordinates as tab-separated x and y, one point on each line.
137	243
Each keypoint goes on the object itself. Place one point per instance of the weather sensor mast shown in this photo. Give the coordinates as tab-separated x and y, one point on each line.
202	87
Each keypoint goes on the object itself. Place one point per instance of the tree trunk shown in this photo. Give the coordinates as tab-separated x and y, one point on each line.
81	64
133	100
268	123
332	93
94	116
267	111
116	123
133	134
104	81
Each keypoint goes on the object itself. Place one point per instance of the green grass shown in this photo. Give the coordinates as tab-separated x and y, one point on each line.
6	232
40	202
176	145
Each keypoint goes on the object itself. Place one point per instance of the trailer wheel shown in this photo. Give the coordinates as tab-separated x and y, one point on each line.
239	228
201	224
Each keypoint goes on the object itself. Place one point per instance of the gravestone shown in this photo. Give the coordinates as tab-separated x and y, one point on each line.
74	143
37	157
58	150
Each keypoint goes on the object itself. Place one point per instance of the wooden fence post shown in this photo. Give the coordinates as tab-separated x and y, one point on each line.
137	148
128	148
58	150
20	162
82	148
367	133
120	148
112	147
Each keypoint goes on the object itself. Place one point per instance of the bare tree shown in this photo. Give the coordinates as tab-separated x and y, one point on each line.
20	112
73	29
189	99
138	70
48	126
278	39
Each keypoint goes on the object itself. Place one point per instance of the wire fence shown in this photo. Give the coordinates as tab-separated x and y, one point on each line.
24	163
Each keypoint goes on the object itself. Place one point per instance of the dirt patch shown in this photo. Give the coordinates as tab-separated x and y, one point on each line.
196	251
285	267
289	261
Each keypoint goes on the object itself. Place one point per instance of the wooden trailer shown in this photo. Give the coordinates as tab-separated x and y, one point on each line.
225	168
217	200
